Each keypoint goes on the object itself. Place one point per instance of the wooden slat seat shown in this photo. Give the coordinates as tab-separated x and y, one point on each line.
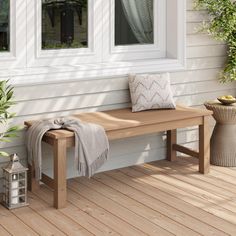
122	123
124	119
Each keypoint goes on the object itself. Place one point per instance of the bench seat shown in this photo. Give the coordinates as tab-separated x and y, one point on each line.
122	123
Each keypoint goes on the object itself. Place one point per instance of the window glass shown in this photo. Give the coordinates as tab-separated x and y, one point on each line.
4	25
64	24
133	22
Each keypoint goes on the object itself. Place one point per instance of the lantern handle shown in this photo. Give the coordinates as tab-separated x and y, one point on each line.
14	158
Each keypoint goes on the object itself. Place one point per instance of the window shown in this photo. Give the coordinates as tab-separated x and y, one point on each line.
134	22
64	24
93	37
4	25
134	30
63	32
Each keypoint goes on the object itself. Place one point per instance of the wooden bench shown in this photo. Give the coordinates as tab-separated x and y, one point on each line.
120	124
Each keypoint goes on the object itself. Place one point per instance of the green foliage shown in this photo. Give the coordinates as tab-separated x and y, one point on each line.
75	44
4	10
3	49
6	101
222	26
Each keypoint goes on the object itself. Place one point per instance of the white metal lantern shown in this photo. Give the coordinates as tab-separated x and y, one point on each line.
14	184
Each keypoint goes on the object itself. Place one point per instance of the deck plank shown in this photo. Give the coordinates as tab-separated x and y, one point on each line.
55	217
124	199
14	225
35	221
155	199
104	216
225	171
196	206
160	198
80	213
211	193
189	164
189	176
4	232
125	214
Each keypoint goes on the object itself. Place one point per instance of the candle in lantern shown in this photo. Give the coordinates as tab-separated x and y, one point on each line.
14	191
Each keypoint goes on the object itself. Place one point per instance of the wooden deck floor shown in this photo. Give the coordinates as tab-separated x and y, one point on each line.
160	198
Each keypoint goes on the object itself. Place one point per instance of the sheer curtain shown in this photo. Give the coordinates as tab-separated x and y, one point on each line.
139	14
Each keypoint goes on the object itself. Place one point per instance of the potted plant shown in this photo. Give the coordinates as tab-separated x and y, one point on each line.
6	101
222	26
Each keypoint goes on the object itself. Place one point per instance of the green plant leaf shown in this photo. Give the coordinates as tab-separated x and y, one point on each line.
222	26
4	154
5	140
11	135
6	102
14	128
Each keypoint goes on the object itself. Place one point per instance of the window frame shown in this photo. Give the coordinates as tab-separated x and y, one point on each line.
56	57
134	52
16	56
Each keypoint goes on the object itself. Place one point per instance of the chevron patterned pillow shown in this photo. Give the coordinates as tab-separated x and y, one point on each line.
151	92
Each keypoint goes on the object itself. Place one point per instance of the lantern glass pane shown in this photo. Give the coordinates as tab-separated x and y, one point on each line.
22	191
22	199
22	183
22	175
15	200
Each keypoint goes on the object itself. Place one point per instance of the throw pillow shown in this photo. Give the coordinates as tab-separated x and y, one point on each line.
151	92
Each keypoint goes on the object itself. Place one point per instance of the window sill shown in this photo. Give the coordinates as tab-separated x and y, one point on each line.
52	74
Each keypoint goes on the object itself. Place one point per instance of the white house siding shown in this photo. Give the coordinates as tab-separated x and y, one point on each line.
192	87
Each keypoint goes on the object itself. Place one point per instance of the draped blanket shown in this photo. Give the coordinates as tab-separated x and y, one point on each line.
91	144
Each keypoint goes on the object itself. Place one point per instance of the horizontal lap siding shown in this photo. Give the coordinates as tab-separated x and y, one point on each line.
198	83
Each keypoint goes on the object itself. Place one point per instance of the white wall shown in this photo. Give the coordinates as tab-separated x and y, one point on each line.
192	87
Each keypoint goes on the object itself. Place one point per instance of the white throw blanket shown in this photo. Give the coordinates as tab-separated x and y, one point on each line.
91	144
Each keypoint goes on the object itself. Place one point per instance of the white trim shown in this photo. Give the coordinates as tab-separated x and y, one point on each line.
16	57
89	71
181	37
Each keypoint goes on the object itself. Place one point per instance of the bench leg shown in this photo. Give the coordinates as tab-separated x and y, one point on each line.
171	140
60	194
204	147
33	184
